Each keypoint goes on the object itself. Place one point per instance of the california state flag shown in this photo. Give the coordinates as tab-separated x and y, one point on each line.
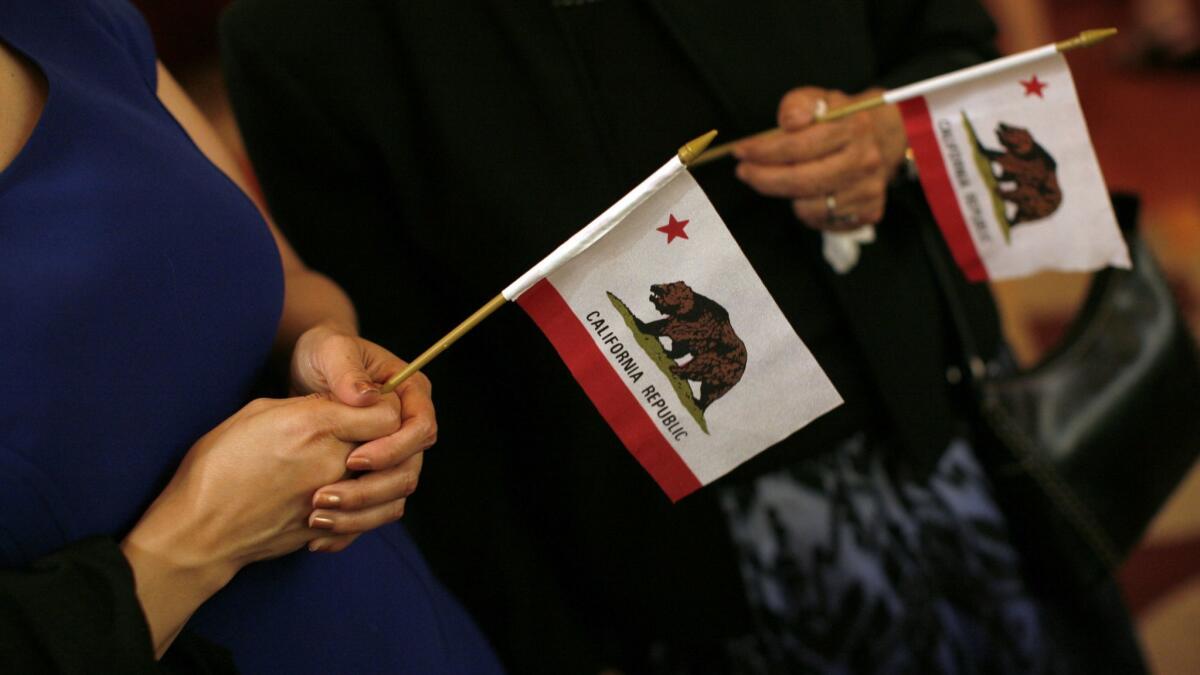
673	336
1009	171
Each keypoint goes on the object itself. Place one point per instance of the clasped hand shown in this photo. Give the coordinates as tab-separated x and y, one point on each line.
319	468
382	472
835	173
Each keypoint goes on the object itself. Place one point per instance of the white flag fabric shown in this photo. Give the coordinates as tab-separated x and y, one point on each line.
1010	173
673	336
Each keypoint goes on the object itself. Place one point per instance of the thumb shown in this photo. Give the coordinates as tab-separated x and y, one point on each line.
342	365
350	384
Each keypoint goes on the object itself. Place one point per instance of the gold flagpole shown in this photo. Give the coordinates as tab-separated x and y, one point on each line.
441	345
687	154
1086	38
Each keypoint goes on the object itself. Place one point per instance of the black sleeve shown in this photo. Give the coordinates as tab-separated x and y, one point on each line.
320	166
917	40
75	611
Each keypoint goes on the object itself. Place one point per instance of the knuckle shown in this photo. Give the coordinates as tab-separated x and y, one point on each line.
341	543
871	159
408	484
800	211
294	425
747	171
397	510
395	415
346	525
258	405
425	428
837	97
796	184
801	95
424	381
330	471
353	499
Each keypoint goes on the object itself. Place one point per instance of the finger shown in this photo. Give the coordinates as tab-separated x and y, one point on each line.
795	146
849	215
371	489
797	107
413	438
847	198
332	544
355	424
342	362
418	429
362	520
812	179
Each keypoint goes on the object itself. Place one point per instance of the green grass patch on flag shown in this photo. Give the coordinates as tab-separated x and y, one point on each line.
654	349
989	178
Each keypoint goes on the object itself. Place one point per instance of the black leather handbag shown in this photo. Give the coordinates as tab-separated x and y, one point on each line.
1087	445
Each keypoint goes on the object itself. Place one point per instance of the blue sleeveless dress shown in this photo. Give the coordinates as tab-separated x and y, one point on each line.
140	293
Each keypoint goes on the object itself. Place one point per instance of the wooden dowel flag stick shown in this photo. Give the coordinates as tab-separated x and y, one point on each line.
579	242
441	345
1086	38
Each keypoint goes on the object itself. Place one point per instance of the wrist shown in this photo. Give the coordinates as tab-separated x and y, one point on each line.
172	576
169	550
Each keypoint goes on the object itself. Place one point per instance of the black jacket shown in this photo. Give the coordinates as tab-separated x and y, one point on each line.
75	611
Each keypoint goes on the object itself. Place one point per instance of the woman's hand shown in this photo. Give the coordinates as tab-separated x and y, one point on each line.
243	493
835	173
351	368
326	358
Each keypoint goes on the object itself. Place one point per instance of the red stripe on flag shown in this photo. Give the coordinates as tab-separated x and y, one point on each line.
609	394
938	189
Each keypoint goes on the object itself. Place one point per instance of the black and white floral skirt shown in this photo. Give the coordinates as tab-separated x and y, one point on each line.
853	567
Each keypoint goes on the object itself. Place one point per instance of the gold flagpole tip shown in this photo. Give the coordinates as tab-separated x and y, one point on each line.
693	148
1086	38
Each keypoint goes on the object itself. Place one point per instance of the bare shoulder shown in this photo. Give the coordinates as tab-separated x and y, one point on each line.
23	93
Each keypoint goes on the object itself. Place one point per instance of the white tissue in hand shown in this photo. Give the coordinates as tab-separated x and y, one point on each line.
841	249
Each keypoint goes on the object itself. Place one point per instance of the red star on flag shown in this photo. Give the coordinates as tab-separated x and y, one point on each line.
1034	86
674	229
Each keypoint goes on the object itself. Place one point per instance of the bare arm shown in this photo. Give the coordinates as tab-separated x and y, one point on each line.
310	298
317	342
243	493
22	97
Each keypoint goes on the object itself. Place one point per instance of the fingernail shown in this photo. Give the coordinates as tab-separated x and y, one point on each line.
321	522
328	501
316	546
358	464
364	387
